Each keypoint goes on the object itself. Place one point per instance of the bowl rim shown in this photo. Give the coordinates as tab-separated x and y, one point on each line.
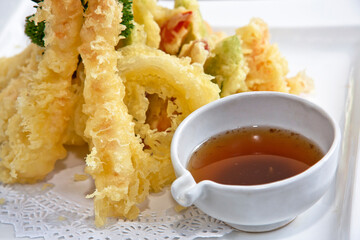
181	170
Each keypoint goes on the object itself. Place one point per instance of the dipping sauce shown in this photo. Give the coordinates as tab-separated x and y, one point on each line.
253	155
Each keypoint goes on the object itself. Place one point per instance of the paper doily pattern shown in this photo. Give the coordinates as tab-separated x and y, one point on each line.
38	211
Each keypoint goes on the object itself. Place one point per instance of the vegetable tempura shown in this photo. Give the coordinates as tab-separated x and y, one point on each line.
120	76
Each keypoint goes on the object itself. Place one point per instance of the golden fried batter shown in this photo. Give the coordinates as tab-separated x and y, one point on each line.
143	15
109	128
126	103
161	90
34	134
268	68
8	97
10	68
74	134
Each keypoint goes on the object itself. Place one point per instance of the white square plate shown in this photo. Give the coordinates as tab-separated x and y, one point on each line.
313	35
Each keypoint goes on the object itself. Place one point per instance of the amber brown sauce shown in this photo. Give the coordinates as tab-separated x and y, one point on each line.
253	155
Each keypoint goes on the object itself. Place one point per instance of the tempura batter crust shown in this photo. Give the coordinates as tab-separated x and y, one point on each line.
109	128
32	141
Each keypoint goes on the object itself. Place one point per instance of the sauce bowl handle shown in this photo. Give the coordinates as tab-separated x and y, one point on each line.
185	190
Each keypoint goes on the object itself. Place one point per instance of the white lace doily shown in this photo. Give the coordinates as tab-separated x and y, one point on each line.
57	209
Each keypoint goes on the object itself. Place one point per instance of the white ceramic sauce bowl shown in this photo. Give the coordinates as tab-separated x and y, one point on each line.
263	207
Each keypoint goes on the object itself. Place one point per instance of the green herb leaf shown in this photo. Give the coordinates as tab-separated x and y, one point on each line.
127	18
35	31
